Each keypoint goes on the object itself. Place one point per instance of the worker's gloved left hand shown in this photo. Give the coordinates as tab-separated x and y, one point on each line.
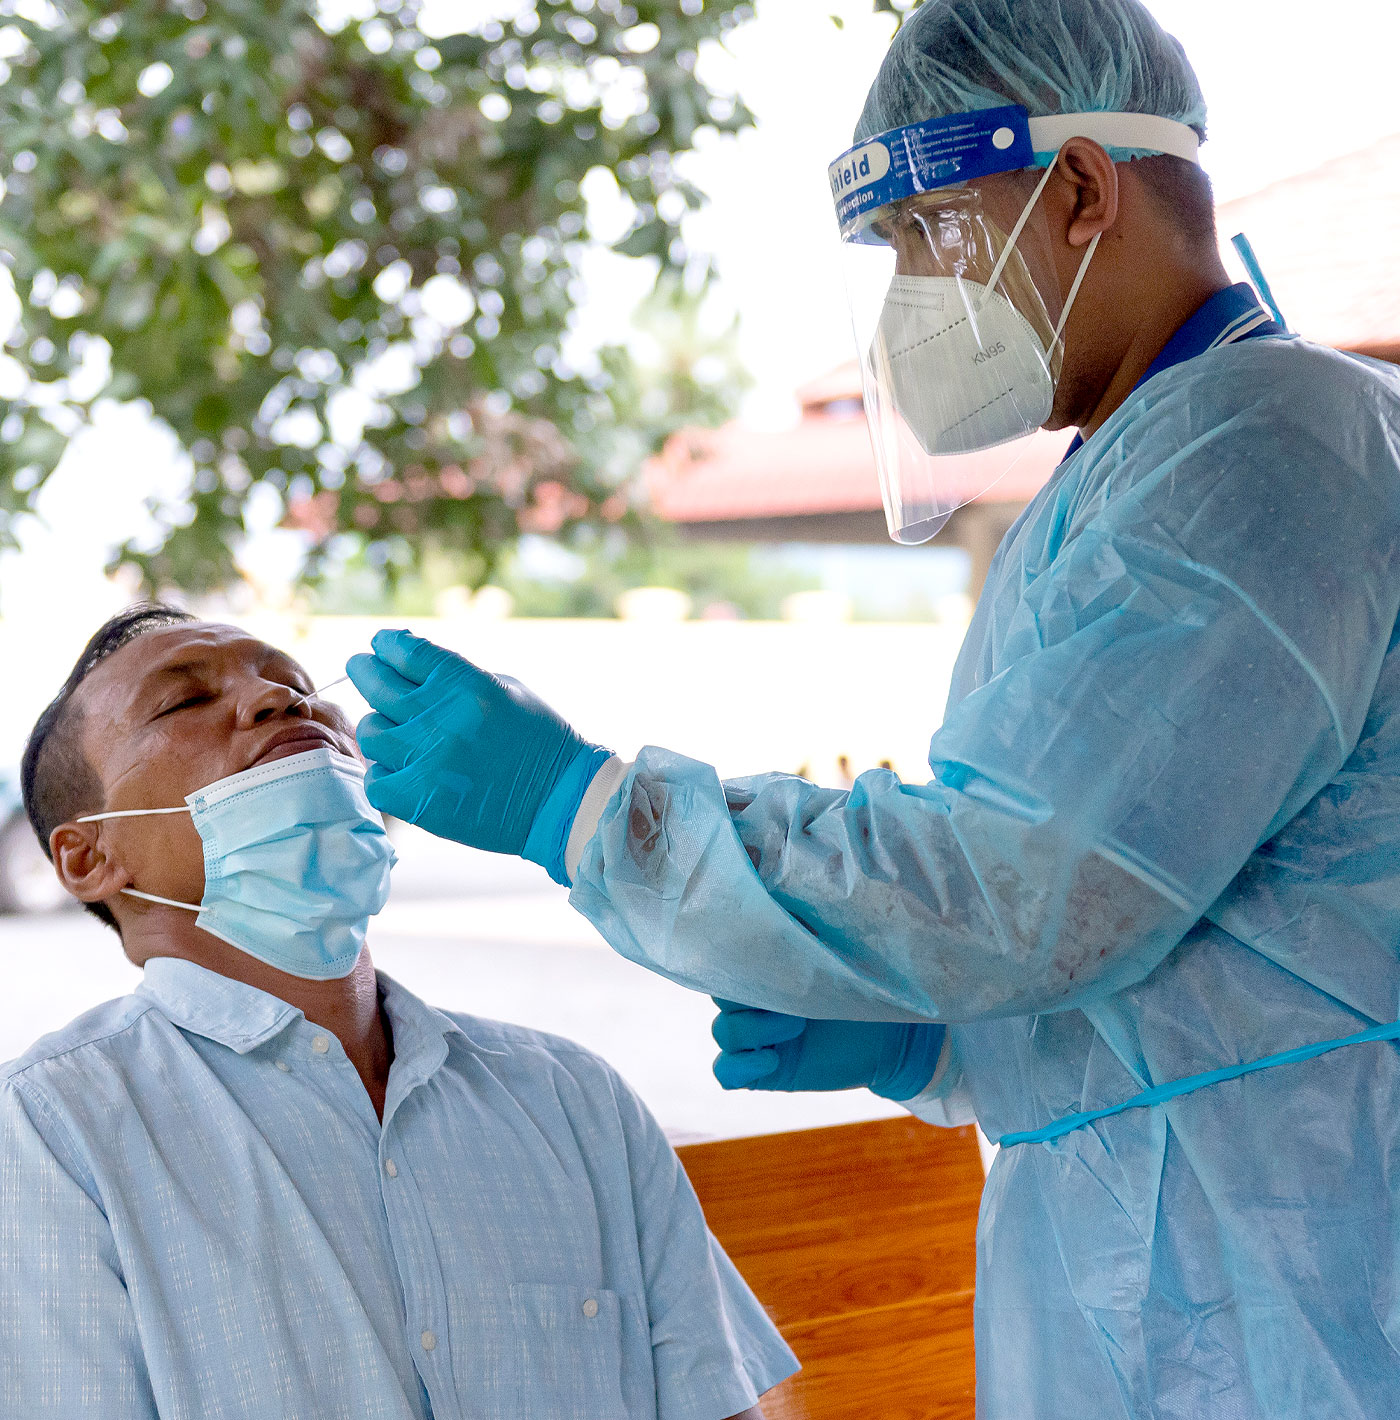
764	1050
469	755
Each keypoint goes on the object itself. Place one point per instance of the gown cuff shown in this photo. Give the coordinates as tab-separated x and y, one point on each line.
943	1101
590	811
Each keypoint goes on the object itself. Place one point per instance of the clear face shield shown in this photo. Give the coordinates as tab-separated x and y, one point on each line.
955	302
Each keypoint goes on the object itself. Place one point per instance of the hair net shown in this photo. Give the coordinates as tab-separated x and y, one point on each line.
1051	56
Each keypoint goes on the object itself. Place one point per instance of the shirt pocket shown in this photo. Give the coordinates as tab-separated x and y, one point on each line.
568	1352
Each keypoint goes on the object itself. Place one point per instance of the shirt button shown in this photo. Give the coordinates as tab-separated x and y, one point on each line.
391	1168
320	1044
590	1309
284	1067
429	1341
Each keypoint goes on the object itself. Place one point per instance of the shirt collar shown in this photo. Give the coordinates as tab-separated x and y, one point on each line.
421	1034
227	1011
241	1017
1230	315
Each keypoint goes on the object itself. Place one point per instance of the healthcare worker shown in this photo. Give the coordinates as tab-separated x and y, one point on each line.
1143	923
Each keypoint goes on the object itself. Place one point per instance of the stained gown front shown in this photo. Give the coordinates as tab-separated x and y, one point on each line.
1162	835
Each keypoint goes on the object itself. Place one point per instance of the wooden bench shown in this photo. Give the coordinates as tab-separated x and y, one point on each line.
860	1242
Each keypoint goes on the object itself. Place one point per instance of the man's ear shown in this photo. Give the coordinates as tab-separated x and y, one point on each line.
1088	168
83	864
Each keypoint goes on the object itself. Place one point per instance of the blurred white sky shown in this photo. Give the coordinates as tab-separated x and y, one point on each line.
1289	87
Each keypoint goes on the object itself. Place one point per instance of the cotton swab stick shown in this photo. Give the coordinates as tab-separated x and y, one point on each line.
313	694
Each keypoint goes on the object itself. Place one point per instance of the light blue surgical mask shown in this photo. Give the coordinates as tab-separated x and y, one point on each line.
296	861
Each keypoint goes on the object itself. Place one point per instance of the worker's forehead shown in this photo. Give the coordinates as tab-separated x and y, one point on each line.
168	651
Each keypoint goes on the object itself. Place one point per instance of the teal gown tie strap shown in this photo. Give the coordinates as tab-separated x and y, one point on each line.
1173	1089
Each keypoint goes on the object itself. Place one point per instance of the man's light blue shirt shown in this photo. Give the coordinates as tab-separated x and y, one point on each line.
201	1216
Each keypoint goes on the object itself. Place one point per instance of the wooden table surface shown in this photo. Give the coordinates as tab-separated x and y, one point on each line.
860	1240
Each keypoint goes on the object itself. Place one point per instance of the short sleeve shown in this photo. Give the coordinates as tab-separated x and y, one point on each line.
714	1349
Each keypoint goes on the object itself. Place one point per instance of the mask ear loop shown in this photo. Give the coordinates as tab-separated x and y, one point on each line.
141	813
164	901
1074	289
1010	248
130	813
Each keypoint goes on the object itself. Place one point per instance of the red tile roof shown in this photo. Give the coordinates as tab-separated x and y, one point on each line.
822	465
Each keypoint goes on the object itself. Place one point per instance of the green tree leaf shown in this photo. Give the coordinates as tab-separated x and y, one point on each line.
339	263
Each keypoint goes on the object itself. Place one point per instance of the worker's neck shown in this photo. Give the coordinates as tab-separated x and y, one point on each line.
348	1006
1176	294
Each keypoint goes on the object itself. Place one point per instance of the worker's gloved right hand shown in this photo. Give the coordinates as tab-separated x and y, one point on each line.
469	755
763	1050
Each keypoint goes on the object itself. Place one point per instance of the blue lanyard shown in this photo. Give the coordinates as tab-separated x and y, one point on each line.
1173	1089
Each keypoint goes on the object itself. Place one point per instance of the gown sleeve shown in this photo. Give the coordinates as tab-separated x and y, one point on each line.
1193	664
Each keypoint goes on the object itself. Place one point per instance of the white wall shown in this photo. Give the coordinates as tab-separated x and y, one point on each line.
744	696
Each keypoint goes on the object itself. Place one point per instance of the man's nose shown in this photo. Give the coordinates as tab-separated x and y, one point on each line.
272	701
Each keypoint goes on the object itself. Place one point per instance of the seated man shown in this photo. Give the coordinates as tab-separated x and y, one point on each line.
271	1184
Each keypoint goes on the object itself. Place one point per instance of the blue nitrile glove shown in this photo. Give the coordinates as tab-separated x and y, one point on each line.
469	755
762	1050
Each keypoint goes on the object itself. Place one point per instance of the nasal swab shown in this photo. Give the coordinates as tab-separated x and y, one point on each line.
315	694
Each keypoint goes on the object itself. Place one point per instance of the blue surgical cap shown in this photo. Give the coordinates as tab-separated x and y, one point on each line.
1051	56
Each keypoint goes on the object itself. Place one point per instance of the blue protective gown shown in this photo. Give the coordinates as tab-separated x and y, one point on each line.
1162	835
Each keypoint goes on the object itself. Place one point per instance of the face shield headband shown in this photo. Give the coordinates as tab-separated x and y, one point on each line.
959	351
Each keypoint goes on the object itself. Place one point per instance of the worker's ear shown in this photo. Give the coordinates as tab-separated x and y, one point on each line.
1093	175
83	864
